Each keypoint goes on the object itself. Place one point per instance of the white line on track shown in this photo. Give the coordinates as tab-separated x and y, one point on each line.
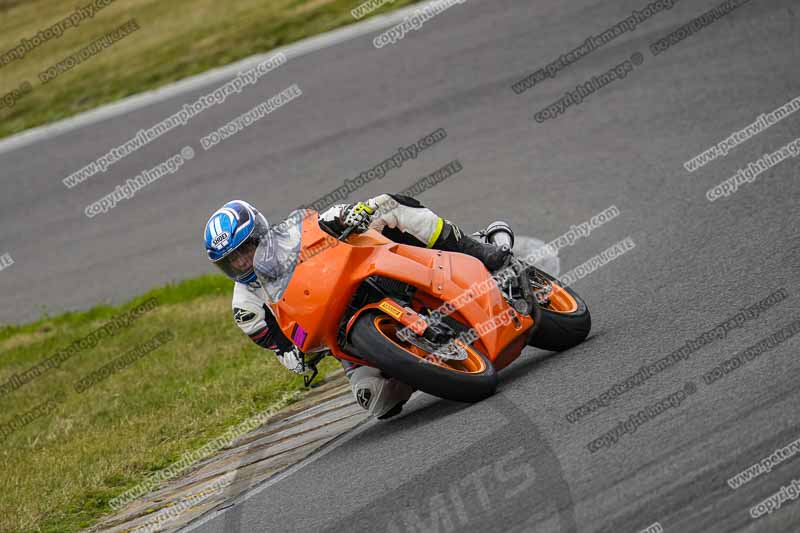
238	500
208	78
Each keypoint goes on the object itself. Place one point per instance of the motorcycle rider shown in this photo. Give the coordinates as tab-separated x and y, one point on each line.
235	230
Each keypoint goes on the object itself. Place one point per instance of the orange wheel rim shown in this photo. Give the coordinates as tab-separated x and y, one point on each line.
561	301
473	364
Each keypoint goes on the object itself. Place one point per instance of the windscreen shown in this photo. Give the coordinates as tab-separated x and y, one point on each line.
276	256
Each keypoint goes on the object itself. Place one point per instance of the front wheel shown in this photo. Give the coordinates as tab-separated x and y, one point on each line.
565	320
375	338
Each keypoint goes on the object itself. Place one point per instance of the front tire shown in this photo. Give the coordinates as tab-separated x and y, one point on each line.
565	321
374	336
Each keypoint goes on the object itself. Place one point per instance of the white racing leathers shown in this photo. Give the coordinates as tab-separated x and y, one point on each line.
400	218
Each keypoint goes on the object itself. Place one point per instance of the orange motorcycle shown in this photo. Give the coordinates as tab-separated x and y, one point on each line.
438	321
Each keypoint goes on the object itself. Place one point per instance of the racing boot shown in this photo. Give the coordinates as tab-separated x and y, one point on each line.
453	239
380	396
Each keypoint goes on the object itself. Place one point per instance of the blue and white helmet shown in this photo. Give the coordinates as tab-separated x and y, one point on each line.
232	235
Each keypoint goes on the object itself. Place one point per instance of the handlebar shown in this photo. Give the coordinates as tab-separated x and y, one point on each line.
346	233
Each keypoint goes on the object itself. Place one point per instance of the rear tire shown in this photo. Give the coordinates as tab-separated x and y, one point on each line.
373	337
561	326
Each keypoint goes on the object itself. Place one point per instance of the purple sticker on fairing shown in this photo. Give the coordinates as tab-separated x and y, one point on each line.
299	336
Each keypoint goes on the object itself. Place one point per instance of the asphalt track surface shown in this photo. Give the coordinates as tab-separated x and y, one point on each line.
513	462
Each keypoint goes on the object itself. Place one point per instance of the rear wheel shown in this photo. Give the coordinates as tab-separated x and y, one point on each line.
565	320
412	361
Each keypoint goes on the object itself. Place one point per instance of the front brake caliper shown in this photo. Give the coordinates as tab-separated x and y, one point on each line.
439	332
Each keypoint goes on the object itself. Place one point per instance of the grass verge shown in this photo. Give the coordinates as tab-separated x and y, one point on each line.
175	39
72	455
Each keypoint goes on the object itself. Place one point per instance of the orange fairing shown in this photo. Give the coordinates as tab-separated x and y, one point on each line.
330	271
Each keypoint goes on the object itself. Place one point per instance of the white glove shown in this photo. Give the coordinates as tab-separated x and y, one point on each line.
293	360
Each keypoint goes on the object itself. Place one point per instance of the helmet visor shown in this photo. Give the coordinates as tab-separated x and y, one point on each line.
238	264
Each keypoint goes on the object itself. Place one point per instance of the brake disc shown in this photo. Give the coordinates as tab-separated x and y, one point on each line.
541	289
451	350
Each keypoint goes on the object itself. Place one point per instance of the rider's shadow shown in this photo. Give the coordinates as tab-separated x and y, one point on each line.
533	357
421	411
424	409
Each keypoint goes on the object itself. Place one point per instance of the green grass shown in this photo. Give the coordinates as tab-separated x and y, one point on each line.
176	39
60	471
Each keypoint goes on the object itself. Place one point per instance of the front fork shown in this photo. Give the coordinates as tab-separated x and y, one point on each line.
513	278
